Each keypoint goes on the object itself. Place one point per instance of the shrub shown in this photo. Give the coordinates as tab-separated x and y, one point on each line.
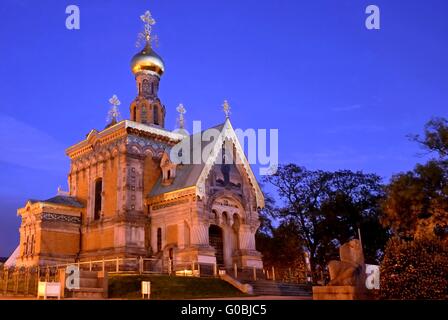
416	269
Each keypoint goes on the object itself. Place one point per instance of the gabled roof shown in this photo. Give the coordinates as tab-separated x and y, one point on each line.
188	175
61	200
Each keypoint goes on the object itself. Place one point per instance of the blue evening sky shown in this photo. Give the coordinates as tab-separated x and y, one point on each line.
342	97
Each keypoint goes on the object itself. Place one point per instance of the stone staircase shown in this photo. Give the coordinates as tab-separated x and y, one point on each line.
92	286
274	288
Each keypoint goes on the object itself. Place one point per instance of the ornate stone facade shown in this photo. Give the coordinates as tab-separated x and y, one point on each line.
127	198
136	213
49	232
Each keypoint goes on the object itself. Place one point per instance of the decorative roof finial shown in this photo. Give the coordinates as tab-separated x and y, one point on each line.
148	22
114	114
181	120
226	108
62	192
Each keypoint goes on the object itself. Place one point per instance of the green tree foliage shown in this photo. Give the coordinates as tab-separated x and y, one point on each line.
417	201
283	248
435	138
415	264
415	269
327	208
266	215
280	246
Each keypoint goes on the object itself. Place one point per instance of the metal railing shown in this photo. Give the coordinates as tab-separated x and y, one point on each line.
288	275
138	265
20	280
24	280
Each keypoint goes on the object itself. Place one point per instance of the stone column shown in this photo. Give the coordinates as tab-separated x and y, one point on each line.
100	168
134	183
246	237
181	235
121	182
228	245
73	183
90	194
199	234
154	239
139	171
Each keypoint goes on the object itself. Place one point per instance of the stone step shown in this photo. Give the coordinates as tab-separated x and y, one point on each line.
280	293
89	286
88	274
280	287
88	282
276	283
265	287
298	291
88	293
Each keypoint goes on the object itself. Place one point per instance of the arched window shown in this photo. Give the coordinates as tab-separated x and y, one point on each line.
225	163
27	244
159	239
143	117
156	115
145	87
134	114
225	218
98	199
223	153
32	244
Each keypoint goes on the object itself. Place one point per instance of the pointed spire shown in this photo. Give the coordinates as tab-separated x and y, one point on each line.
226	108
181	119
114	113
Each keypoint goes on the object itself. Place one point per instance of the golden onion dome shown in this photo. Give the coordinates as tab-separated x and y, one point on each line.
148	60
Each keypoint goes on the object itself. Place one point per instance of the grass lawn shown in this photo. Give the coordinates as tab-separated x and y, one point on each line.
170	287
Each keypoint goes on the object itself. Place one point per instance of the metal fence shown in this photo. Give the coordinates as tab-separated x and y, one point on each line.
288	275
24	281
21	280
138	266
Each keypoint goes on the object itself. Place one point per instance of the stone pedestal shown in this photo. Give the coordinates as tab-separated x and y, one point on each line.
250	259
338	293
202	255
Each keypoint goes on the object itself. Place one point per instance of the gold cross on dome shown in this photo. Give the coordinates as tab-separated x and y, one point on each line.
145	35
148	19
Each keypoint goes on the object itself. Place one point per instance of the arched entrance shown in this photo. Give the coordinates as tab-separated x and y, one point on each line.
216	241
